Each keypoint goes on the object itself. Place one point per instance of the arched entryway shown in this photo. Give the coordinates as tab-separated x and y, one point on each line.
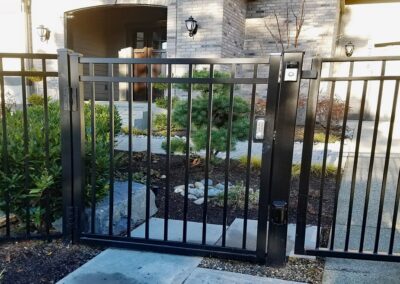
137	31
104	30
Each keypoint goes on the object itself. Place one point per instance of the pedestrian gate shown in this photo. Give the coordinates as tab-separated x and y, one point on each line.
80	75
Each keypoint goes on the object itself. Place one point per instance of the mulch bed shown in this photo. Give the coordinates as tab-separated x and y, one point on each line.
41	262
297	269
237	174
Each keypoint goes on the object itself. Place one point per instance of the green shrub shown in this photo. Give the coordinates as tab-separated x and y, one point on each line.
203	88
178	145
316	170
255	162
236	197
36	100
34	79
45	177
162	102
219	131
320	138
135	131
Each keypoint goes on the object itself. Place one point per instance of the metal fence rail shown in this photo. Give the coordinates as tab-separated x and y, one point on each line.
349	235
9	193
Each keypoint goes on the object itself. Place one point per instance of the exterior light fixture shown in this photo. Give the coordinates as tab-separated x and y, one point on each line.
349	48
43	32
191	25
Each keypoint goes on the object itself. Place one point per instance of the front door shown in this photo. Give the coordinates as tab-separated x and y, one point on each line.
146	43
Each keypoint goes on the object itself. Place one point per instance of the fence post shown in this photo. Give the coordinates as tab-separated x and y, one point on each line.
72	141
266	163
66	139
282	156
78	143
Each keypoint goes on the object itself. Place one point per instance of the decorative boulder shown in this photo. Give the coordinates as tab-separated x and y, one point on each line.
120	216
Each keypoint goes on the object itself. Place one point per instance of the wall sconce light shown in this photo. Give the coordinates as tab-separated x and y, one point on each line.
191	25
349	48
43	32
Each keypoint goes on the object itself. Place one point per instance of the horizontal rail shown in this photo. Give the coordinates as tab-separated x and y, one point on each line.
29	55
28	73
361	78
361	59
98	60
174	80
163	247
354	255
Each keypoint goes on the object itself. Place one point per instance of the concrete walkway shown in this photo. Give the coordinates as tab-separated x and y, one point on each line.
117	266
357	271
128	266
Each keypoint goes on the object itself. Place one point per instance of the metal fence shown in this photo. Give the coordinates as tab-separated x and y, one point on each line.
363	220
26	154
168	239
352	103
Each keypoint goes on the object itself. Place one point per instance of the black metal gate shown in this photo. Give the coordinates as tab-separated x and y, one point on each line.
357	97
274	128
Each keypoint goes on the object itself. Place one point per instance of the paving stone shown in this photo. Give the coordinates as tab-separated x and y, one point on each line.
210	276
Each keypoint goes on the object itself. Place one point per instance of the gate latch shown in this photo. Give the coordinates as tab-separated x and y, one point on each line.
279	210
258	129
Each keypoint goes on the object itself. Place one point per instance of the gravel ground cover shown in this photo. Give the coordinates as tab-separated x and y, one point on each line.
297	269
37	262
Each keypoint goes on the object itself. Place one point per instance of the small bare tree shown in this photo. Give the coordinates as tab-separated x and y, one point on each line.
298	17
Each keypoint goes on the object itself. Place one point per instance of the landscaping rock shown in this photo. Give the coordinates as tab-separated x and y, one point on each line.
197	192
220	186
179	188
210	182
120	215
199	201
199	185
192	197
212	192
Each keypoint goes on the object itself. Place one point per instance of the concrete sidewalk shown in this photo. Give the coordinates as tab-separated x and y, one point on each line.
117	266
360	271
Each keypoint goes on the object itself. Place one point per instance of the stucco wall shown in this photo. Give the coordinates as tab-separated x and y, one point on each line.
369	24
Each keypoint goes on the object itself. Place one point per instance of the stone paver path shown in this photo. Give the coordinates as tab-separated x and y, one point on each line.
358	271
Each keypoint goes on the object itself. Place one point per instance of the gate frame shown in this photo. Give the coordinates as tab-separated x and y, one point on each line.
274	182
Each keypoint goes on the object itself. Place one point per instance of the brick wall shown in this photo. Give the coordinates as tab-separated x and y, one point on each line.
233	29
208	40
316	38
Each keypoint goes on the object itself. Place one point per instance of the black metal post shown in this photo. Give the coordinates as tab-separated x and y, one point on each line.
282	156
266	162
78	142
66	138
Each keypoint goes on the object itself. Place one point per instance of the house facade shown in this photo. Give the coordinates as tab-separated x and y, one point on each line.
226	28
